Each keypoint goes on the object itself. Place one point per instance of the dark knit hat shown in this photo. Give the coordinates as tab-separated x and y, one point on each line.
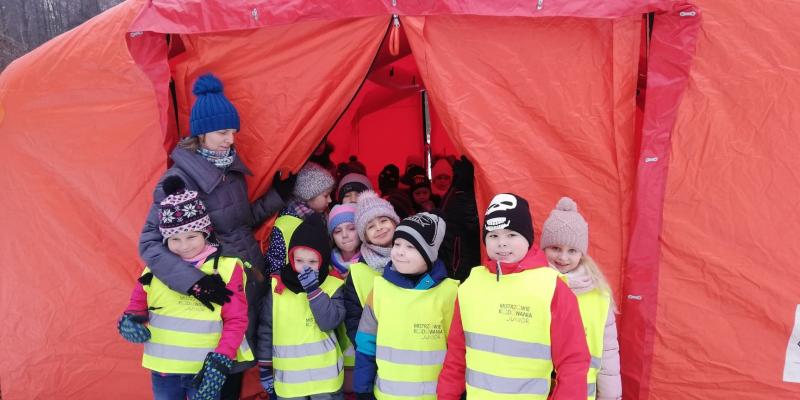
413	175
211	111
426	232
182	210
419	181
509	211
389	178
311	233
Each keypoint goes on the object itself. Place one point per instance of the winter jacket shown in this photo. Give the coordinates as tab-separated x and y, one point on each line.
461	247
570	354
366	367
233	218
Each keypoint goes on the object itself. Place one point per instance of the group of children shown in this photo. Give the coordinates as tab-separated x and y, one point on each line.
356	290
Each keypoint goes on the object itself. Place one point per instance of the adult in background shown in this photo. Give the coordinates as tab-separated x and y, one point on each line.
208	163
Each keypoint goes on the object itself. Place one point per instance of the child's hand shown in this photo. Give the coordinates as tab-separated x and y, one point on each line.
309	278
131	328
267	379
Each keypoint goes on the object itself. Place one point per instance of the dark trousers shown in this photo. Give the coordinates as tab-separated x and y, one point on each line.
232	387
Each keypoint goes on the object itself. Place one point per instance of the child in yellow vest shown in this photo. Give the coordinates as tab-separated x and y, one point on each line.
402	336
565	241
514	321
298	353
188	347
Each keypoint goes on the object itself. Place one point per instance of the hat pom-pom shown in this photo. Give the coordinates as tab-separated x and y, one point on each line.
207	84
567	204
173	185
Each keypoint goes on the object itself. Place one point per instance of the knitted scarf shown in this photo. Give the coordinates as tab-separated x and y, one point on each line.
340	264
297	208
375	256
579	280
220	159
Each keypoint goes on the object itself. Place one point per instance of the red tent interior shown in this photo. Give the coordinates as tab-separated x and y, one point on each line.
542	98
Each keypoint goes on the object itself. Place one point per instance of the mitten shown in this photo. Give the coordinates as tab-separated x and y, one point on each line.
309	279
211	289
267	379
463	175
212	376
284	187
131	328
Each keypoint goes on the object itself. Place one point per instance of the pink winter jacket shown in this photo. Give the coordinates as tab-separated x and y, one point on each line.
609	382
234	313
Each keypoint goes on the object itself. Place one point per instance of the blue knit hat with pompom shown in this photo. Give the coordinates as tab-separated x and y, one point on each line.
212	111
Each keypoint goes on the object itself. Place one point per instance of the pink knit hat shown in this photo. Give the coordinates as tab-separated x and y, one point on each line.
442	167
565	227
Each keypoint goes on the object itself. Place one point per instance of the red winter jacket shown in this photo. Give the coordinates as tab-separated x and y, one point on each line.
568	341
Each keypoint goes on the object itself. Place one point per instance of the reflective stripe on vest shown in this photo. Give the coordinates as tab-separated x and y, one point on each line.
287	225
348	350
306	360
594	307
183	329
411	340
363	277
507	333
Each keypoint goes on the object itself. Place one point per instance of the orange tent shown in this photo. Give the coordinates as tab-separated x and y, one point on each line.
692	213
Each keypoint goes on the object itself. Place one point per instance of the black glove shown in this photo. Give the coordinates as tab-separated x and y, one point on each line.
463	175
284	187
211	289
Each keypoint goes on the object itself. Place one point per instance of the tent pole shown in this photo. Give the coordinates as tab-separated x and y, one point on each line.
426	131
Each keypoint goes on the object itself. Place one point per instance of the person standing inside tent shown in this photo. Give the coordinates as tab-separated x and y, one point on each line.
402	335
298	353
515	320
208	162
388	183
375	223
442	174
189	348
422	196
312	194
351	186
461	248
565	241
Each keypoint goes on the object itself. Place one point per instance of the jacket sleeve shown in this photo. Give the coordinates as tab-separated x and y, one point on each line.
353	310
366	368
452	381
609	382
177	274
568	343
328	311
276	252
234	316
138	302
265	206
263	349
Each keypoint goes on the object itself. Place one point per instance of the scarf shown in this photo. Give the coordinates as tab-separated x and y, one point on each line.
375	256
297	208
200	259
341	265
220	159
579	280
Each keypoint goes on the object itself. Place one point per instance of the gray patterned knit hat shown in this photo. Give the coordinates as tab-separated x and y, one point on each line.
312	180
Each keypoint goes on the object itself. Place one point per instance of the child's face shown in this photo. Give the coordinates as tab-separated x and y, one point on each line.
350	197
563	258
406	258
303	256
421	195
220	140
320	202
506	246
380	231
187	244
346	237
442	182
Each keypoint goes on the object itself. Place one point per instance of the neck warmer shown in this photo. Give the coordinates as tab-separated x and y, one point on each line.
341	264
297	208
201	258
579	280
375	256
220	159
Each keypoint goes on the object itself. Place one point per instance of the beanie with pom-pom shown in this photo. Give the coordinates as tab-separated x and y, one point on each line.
182	210
212	111
565	227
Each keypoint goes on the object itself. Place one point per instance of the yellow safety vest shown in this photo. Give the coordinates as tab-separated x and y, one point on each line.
594	307
412	338
348	350
287	224
183	330
306	360
507	331
363	277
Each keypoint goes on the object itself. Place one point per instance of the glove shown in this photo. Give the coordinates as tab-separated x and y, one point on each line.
284	187
463	175
267	380
309	279
211	289
131	328
211	377
365	396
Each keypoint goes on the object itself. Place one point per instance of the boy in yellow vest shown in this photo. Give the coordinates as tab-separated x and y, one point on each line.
298	352
402	336
188	347
515	321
